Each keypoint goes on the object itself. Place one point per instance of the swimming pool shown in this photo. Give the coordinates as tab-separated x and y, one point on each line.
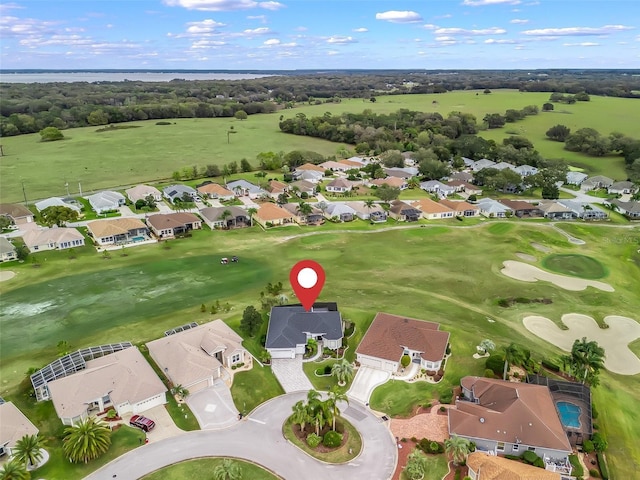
138	239
569	414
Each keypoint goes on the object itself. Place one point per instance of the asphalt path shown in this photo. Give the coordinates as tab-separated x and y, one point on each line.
258	438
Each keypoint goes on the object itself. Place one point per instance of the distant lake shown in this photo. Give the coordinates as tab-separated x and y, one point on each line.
52	77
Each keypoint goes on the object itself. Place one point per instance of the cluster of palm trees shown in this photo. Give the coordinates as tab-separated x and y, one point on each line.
317	412
456	447
585	361
343	371
26	454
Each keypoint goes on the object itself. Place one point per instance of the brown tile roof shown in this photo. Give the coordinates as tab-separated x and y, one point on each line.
518	204
33	238
304	185
388	334
140	192
14	425
310	166
492	467
270	211
351	163
391	181
214	214
509	412
15	210
427	205
397	206
114	226
216	189
277	186
458	205
465	185
171	220
340	182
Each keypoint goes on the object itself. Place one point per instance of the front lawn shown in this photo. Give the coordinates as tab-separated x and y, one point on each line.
203	467
253	387
436	468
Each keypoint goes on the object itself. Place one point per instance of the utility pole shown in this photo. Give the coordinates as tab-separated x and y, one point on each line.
66	184
24	192
80	188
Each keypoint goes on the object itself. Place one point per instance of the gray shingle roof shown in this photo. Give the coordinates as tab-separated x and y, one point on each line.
288	325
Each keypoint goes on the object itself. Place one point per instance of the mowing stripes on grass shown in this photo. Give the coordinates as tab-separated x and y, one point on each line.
500	228
575	265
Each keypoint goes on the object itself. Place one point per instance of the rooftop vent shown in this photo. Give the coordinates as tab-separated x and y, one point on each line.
481	419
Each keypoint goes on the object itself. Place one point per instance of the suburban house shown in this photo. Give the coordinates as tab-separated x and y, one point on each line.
170	225
462	186
432	210
396	182
584	210
595	183
336	166
339	185
342	211
141	192
106	201
310	166
438	188
243	188
504	165
56	238
405	173
403	212
525	170
180	193
522	209
390	337
291	327
118	231
555	210
303	186
375	213
277	188
351	163
13	426
122	380
503	417
7	250
576	178
491	467
461	208
195	358
482	164
215	191
57	202
462	176
622	188
316	217
312	176
491	208
468	162
631	210
235	217
18	214
270	215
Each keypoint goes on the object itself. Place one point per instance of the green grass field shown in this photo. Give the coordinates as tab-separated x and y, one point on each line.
444	274
575	265
203	468
153	152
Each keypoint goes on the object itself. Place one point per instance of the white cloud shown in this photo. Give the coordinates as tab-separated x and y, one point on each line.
445	40
577	31
205	43
250	32
261	18
333	52
360	30
341	40
479	3
19	27
205	26
581	44
430	26
272	41
398	16
222	5
519	21
501	41
271	5
447	15
464	31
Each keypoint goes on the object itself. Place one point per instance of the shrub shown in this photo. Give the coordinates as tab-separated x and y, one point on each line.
495	363
512	457
529	457
163	123
446	397
577	471
313	440
587	446
602	464
405	360
538	463
504	303
489	373
594	473
448	351
594	412
442	409
332	439
327	369
600	443
550	366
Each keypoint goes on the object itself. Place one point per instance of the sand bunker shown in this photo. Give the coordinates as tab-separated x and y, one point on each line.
526	256
6	275
529	273
615	340
540	248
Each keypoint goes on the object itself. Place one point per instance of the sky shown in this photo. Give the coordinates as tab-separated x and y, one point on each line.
311	34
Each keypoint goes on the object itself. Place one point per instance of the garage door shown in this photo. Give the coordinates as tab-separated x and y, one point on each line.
149	403
196	387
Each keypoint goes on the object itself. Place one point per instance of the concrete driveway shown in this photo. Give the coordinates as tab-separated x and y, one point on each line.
165	428
289	373
365	381
213	407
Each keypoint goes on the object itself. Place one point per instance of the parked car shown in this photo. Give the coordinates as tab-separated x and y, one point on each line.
143	423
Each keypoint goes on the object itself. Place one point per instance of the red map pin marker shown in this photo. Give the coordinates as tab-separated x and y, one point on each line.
307	279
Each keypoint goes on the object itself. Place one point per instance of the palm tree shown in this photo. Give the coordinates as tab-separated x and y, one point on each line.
413	182
181	391
227	470
319	417
282	199
368	204
28	449
282	299
14	470
487	345
586	360
416	466
511	355
304	209
458	448
224	215
300	414
251	211
343	371
322	206
86	440
336	396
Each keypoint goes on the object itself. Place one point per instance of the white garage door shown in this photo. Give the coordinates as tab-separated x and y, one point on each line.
149	403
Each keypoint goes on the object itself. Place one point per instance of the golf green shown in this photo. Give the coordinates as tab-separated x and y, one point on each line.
575	265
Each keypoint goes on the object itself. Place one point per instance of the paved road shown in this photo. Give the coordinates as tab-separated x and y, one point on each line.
289	373
582	196
259	438
213	407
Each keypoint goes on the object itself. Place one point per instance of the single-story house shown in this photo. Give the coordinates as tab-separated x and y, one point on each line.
396	182
504	165
433	210
584	211
303	186
482	164
491	208
179	193
215	217
462	186
468	162
277	188
316	217
622	188
141	192
404	212
353	163
106	201
504	417
390	337
56	238
310	166
18	214
312	176
216	191
340	210
56	202
405	172
291	327
438	188
522	209
462	176
594	183
461	208
194	358
123	380
631	210
491	467
375	213
243	188
118	231
168	225
339	185
7	250
336	166
576	178
555	210
525	170
272	214
13	426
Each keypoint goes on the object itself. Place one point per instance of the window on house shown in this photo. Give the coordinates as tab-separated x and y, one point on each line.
532	449
516	447
235	358
500	447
